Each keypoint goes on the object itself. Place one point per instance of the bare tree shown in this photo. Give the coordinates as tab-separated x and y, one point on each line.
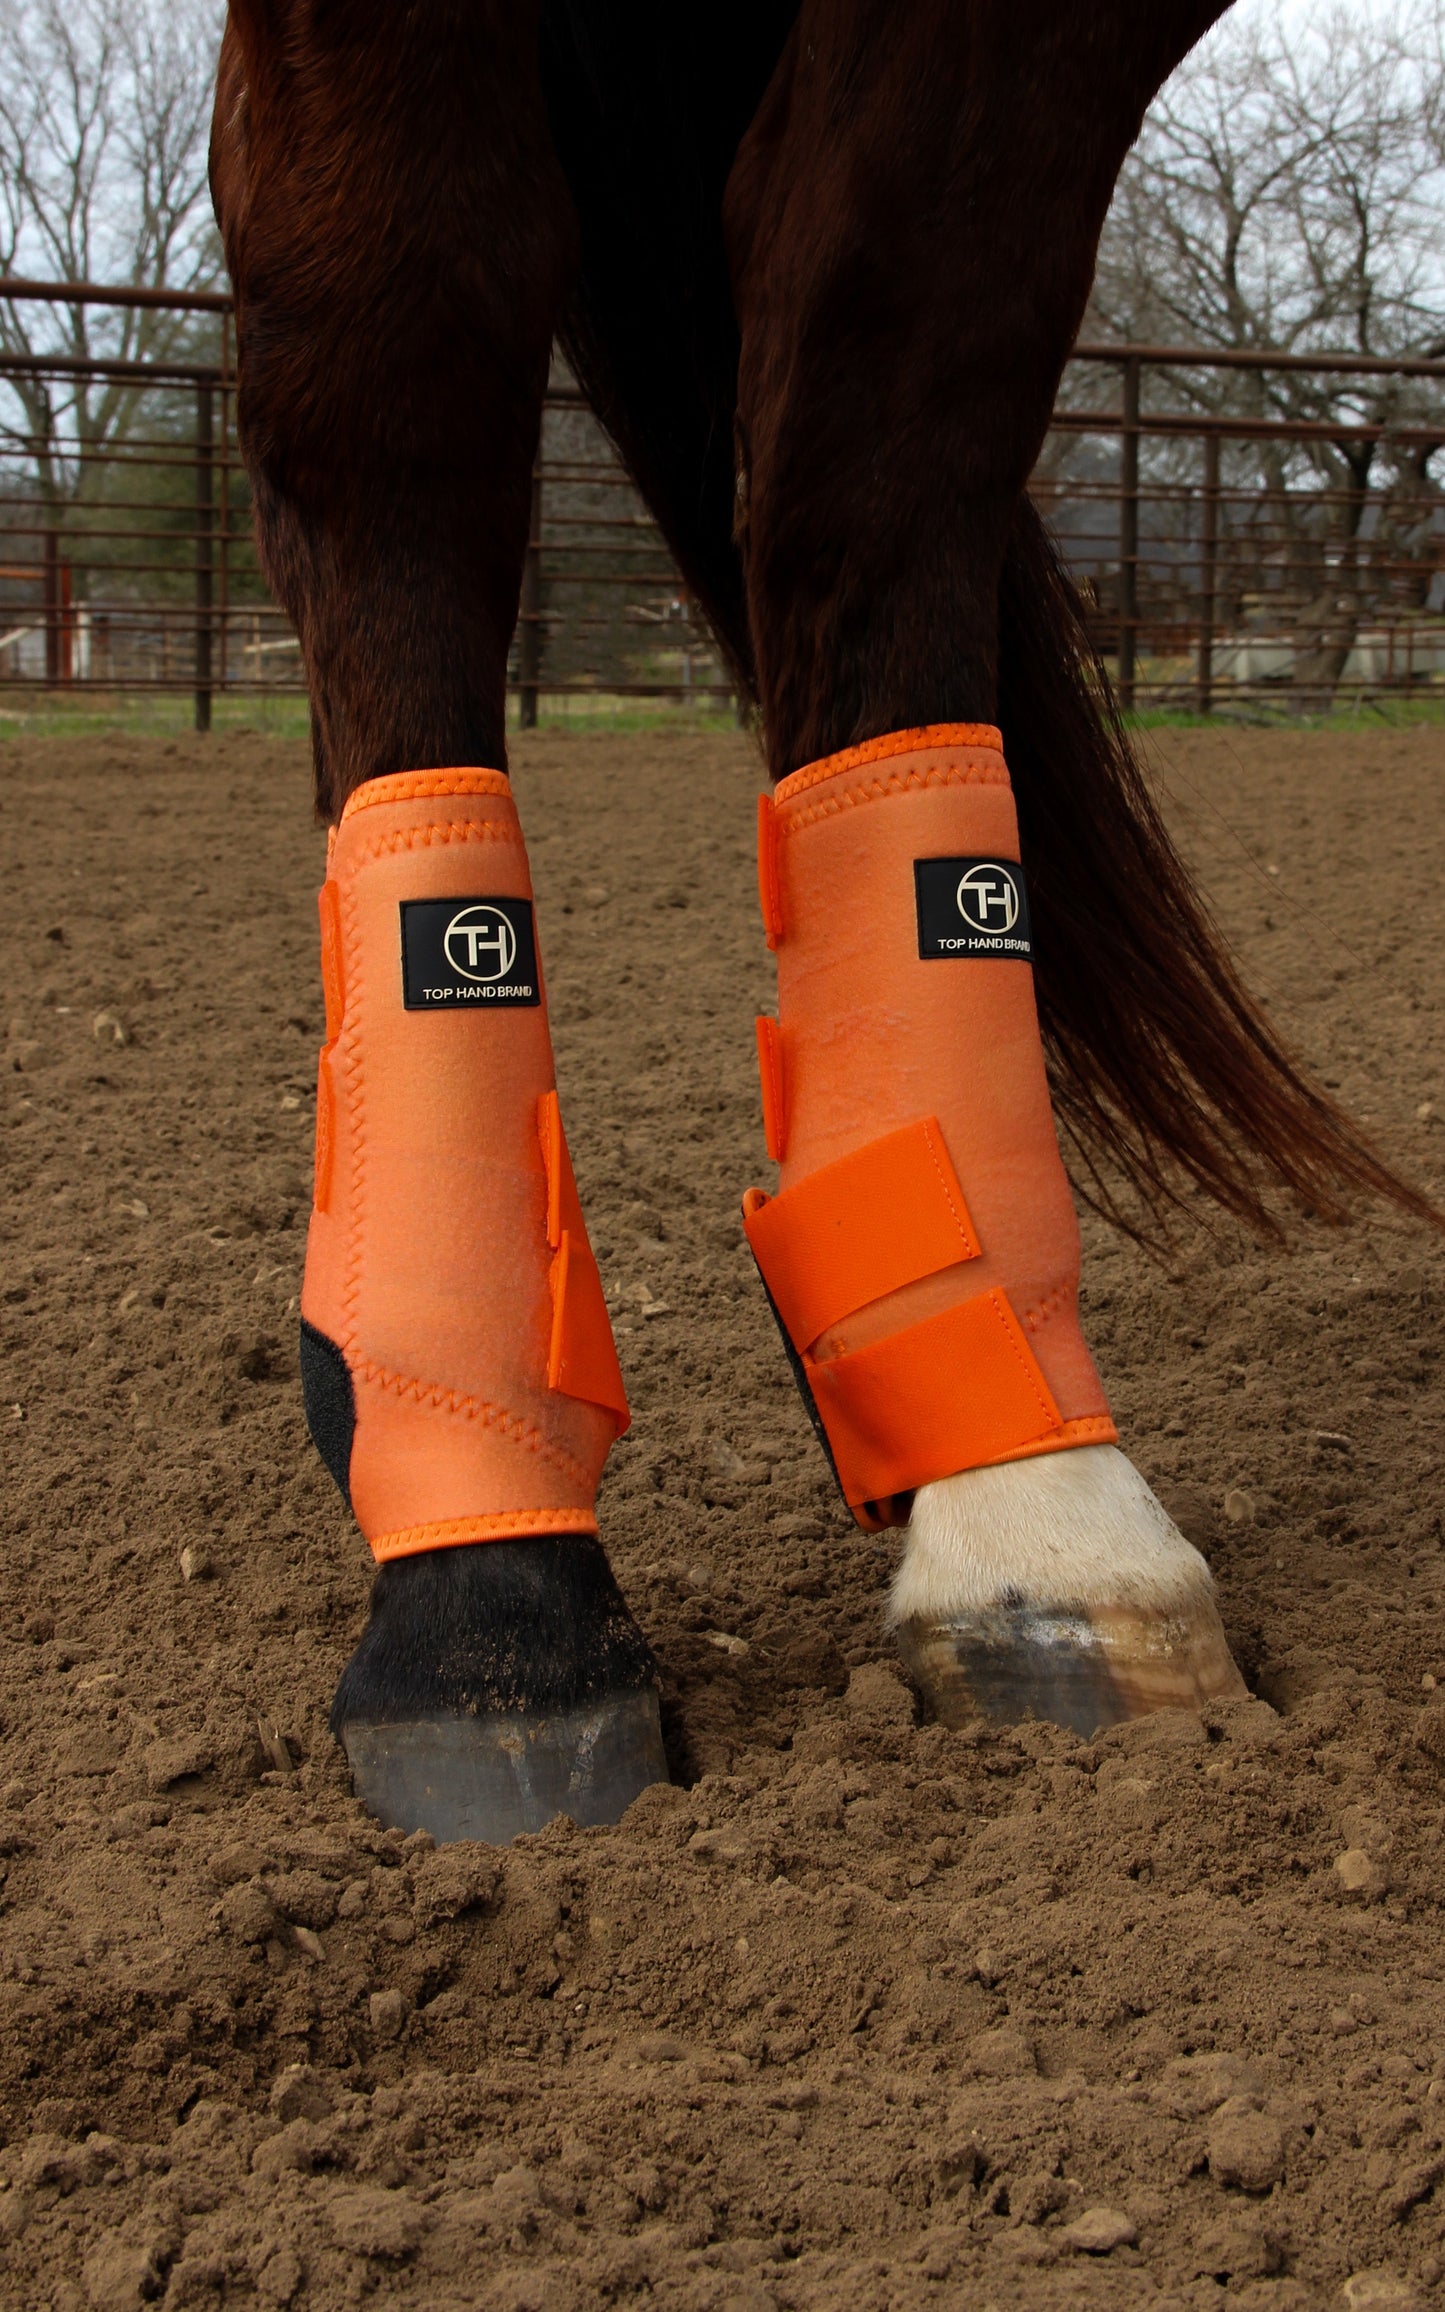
104	115
1287	194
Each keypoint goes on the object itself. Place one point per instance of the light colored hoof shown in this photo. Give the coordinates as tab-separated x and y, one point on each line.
493	1776
1082	1667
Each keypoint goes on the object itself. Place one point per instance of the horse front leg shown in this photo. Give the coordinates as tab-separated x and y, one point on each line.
400	242
912	221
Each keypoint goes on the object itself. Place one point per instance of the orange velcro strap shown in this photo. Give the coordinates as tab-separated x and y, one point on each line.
325	1132
958	1391
859	1228
582	1356
328	905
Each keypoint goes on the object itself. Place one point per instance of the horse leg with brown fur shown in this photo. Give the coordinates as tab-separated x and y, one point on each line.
400	240
862	238
912	221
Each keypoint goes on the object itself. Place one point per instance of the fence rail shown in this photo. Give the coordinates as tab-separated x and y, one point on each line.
1245	527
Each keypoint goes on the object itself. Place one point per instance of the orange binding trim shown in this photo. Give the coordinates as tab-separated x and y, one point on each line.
922	1251
931	739
447	1263
459	1532
328	909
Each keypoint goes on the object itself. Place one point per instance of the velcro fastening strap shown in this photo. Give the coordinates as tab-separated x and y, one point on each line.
855	1230
328	907
582	1355
325	1132
958	1391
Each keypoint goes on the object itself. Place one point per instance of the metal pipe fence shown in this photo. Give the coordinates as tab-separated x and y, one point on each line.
1257	530
1249	530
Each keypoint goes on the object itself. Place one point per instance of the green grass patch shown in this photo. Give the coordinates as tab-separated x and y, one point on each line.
142	714
604	714
286	715
1372	712
615	712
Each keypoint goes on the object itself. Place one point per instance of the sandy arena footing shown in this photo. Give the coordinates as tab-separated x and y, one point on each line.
866	2014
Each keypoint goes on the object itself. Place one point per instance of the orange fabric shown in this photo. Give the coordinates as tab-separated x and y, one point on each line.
329	910
333	991
875	1039
860	1228
430	1263
934	737
325	1133
936	1398
505	1525
582	1355
423	786
1090	1429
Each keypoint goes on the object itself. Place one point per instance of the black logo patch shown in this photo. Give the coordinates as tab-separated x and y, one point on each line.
456	952
972	907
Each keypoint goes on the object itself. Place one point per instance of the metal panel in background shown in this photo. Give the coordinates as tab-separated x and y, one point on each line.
1249	558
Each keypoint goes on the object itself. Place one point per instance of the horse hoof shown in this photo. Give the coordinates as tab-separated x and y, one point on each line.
502	1772
1083	1667
497	1685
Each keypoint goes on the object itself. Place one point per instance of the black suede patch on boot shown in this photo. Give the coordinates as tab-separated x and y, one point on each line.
898	1508
330	1403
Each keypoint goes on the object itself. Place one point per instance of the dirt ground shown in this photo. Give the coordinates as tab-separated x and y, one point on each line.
861	2013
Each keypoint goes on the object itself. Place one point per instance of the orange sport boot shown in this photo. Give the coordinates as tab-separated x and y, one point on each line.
458	1364
922	1252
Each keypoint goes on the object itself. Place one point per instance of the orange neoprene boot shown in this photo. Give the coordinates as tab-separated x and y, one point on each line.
459	1370
922	1252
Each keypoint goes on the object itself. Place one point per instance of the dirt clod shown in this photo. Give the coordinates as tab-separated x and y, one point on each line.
1236	2251
177	1760
298	2092
1380	2291
1359	1873
1099	2231
121	2274
388	2014
1246	2146
377	2223
248	1913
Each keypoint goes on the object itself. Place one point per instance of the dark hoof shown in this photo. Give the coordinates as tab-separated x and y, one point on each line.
496	1686
492	1777
1084	1668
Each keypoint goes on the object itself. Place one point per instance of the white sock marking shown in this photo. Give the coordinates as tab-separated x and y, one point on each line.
1074	1528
